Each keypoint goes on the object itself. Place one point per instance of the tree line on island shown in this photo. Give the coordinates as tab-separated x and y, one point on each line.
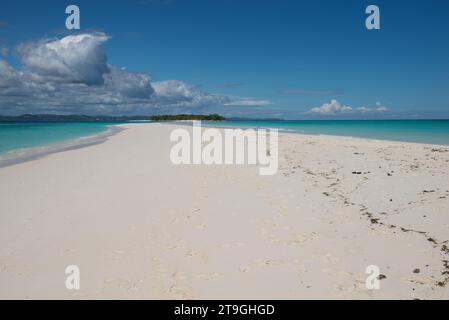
85	118
177	117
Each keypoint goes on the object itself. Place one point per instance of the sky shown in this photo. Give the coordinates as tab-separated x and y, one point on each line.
240	58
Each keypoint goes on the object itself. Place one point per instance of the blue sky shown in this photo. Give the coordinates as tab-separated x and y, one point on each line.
290	56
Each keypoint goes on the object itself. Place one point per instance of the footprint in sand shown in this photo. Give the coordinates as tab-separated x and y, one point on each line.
193	214
191	254
201	226
261	263
330	258
177	245
347	287
179	289
245	269
299	239
180	292
268	262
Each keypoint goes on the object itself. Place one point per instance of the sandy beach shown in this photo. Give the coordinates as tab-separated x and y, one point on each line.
140	227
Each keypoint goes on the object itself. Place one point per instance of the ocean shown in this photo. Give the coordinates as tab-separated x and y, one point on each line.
421	131
24	140
20	141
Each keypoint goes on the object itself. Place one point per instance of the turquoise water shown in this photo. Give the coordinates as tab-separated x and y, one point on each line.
422	131
20	135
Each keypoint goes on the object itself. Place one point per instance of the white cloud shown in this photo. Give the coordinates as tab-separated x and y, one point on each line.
71	75
331	107
380	107
363	109
179	94
334	108
128	84
8	76
173	89
76	59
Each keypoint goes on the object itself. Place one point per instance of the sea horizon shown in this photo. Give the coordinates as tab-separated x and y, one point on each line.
24	140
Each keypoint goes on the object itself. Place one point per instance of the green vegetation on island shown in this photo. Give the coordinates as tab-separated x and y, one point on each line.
100	118
69	118
177	117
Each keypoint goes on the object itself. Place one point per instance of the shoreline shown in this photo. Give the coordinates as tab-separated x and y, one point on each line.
21	155
311	135
15	156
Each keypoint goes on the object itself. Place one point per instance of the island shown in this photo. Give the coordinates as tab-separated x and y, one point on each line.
69	118
99	118
177	117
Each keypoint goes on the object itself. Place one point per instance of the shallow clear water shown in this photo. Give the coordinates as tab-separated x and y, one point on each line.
423	131
20	135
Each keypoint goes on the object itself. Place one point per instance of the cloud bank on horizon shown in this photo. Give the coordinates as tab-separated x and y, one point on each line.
72	75
336	108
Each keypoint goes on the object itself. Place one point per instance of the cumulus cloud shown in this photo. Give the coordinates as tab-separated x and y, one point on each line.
128	84
72	75
74	59
8	75
178	93
331	107
380	107
335	108
363	109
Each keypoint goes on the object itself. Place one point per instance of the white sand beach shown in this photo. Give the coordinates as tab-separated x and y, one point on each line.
140	227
